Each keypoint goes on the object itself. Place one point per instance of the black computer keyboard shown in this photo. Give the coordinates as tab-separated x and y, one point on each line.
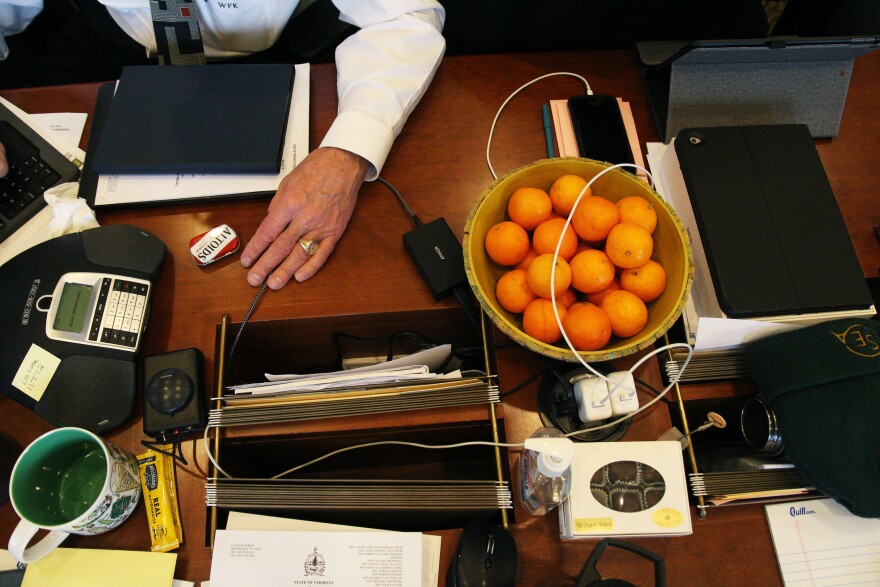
34	166
28	177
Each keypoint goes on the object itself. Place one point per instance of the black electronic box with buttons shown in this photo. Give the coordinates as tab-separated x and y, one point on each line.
174	403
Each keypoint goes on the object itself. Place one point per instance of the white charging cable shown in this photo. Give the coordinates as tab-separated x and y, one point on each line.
517	91
618	382
614	383
357	446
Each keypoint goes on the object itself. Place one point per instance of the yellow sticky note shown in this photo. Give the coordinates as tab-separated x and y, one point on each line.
594	524
36	371
86	567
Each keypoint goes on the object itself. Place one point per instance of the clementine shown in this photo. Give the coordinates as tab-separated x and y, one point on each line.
529	207
596	298
539	273
639	211
567	298
594	218
629	245
587	326
512	291
547	234
507	243
565	191
539	321
527	260
591	271
646	281
626	311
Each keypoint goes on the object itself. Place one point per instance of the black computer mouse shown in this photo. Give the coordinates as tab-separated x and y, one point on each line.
169	391
485	557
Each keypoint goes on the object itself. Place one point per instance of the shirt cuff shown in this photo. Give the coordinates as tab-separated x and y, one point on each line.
363	135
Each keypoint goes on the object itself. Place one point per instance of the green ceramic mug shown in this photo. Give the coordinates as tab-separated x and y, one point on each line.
69	481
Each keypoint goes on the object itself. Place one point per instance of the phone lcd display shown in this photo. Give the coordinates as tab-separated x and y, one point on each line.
73	307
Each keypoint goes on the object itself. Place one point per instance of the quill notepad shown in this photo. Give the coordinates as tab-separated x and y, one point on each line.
196	119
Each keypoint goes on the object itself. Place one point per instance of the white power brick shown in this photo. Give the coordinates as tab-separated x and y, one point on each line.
624	399
591	394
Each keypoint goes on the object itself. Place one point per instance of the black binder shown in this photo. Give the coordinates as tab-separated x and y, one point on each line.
220	118
775	241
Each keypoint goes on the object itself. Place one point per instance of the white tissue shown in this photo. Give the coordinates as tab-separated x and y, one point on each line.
69	213
64	214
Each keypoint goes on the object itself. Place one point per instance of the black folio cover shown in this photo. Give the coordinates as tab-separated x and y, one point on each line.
196	119
774	237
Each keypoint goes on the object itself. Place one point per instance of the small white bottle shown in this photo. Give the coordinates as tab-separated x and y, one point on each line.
545	470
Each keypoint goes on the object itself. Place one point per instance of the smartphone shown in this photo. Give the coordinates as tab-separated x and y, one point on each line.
599	129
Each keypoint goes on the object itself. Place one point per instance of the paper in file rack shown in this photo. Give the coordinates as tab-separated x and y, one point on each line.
339	379
705	366
292	405
756	486
359	494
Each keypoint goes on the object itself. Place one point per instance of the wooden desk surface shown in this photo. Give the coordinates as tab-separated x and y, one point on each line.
438	164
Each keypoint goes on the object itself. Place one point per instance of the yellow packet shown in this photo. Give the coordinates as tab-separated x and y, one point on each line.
160	498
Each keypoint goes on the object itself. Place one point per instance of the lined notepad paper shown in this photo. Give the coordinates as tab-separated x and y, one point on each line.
819	543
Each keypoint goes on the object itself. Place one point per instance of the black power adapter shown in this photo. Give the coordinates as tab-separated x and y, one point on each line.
437	255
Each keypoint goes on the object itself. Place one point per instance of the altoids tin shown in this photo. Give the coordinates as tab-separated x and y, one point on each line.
213	245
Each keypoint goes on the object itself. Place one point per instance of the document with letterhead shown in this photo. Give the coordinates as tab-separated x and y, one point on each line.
248	521
343	559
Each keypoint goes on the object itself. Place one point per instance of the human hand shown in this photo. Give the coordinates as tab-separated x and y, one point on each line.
4	165
314	202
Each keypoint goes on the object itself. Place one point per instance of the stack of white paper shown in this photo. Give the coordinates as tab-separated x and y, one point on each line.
394	386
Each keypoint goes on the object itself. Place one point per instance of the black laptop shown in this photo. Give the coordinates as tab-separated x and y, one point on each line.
34	166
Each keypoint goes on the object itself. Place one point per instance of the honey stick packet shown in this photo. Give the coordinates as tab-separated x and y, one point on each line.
160	498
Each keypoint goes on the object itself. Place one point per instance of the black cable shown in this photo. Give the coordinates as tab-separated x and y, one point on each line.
650	388
414	339
416	220
175	440
462	294
247	317
176	450
521	385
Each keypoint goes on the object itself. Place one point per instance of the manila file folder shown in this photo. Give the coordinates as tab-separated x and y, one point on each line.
775	240
221	118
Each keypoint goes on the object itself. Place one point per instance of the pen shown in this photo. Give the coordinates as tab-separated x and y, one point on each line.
548	130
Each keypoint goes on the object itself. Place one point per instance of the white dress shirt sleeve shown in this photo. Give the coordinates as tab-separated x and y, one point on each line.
15	15
382	72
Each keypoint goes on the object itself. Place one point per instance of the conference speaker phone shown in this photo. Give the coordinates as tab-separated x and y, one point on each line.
73	310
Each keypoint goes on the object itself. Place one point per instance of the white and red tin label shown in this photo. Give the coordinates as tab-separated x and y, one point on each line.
213	245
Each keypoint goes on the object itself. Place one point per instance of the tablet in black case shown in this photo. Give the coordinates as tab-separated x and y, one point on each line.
218	118
773	234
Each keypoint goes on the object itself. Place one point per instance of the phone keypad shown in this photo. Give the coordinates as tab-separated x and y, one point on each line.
119	312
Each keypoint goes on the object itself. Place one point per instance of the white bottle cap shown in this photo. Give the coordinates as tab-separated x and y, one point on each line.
554	454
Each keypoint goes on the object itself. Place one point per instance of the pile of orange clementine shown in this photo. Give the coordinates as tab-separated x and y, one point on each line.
604	274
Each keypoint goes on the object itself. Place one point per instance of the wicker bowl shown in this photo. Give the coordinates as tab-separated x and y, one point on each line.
671	250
